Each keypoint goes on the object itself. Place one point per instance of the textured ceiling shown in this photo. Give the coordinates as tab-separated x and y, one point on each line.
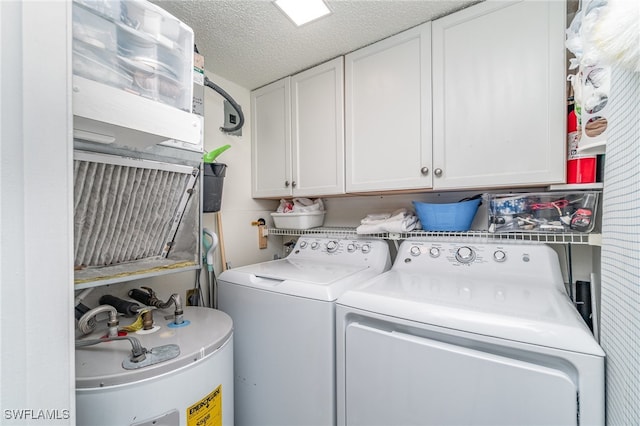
252	43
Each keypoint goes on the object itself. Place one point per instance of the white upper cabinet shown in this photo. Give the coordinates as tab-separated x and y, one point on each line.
388	113
298	134
499	107
317	124
475	99
271	139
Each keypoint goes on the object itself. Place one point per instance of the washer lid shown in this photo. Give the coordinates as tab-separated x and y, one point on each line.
313	272
320	268
535	314
300	277
101	365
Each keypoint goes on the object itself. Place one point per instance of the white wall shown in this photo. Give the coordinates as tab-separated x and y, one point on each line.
238	208
36	262
620	331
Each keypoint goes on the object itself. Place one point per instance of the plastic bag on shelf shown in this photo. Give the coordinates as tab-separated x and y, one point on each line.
300	205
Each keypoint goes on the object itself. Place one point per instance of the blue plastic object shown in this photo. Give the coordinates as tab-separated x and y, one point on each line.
174	325
447	217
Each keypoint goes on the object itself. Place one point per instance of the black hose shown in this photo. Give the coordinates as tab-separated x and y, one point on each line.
570	272
233	103
145	297
122	306
149	298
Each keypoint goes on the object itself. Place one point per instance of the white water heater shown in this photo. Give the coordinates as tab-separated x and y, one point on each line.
194	387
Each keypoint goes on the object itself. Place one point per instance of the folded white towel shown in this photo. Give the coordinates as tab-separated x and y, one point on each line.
376	216
399	221
373	219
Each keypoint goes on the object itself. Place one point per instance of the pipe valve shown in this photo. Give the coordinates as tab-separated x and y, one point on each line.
149	298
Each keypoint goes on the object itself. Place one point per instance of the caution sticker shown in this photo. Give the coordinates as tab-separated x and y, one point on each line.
207	411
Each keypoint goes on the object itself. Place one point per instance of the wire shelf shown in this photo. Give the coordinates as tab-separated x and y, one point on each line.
544	237
326	232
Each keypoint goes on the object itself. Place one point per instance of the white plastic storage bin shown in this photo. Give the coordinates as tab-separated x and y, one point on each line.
136	46
95	42
298	220
543	212
107	8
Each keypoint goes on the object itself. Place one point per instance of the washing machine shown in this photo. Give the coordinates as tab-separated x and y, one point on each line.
284	327
460	332
185	378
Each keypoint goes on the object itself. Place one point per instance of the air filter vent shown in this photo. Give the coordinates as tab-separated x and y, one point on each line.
127	214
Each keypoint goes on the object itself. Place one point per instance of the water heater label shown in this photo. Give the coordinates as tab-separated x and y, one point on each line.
207	411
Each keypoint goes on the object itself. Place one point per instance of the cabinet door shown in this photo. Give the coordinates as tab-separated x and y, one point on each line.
498	95
317	124
271	140
388	113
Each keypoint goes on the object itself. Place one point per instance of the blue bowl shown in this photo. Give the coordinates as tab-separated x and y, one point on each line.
447	217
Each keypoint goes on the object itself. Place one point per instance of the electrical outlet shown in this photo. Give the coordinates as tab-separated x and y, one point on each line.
231	118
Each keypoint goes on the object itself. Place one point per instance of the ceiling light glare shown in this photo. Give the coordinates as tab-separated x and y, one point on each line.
303	11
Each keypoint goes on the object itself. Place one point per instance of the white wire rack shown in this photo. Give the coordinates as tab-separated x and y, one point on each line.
549	238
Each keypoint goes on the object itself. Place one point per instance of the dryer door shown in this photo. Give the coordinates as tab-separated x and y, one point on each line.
394	378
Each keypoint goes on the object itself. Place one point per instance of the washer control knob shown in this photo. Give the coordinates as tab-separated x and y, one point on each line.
315	245
351	247
434	252
366	248
415	251
332	246
465	255
499	256
303	244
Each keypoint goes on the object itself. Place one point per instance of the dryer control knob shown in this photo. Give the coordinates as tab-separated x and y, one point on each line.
315	245
303	244
499	256
351	247
434	252
366	248
332	246
415	251
465	255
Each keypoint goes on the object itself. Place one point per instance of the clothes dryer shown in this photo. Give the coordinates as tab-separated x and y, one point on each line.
284	326
462	333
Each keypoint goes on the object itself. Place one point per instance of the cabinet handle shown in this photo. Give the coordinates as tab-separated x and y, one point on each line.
286	183
293	184
437	172
424	171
